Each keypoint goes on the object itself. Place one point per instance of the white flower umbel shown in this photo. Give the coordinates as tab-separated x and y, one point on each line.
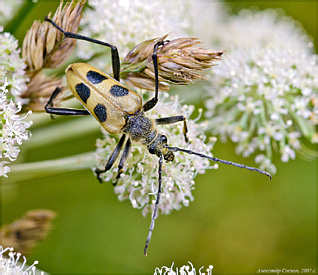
126	23
12	67
12	266
253	28
13	130
265	99
139	181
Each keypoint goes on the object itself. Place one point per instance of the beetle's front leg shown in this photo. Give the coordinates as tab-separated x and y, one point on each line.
174	119
62	111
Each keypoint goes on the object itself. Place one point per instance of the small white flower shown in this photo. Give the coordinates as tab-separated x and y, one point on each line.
265	163
4	170
11	265
139	181
287	153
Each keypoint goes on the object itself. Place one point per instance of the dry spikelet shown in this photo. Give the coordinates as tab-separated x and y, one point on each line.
179	62
144	81
141	52
23	234
44	46
40	89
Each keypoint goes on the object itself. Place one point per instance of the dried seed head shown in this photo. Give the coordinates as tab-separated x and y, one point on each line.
179	62
144	49
39	90
43	45
144	81
23	234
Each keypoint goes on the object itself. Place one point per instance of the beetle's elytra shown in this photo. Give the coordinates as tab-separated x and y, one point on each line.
104	97
120	110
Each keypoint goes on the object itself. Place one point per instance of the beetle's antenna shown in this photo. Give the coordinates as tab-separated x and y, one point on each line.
154	215
175	149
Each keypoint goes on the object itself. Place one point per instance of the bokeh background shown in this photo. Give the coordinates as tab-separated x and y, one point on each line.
239	222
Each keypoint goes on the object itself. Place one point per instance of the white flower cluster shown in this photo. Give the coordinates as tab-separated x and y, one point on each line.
185	270
12	67
254	28
13	130
263	94
12	266
264	98
126	23
139	181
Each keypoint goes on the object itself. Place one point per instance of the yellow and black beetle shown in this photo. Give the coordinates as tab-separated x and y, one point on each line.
120	110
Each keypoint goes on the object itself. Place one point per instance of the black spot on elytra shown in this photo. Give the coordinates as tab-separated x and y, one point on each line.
95	77
100	112
83	91
117	91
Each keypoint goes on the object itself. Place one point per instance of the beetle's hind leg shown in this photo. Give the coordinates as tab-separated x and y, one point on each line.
114	51
174	119
62	111
112	158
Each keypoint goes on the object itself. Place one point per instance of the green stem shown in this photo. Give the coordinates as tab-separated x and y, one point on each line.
62	131
262	116
302	124
32	170
132	68
17	20
243	122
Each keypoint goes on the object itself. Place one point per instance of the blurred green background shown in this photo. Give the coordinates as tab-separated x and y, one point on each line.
239	222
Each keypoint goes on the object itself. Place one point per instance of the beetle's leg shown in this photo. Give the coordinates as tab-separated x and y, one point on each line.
152	102
112	158
114	51
122	160
174	119
154	215
62	111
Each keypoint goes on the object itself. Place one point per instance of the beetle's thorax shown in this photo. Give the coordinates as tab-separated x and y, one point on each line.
142	129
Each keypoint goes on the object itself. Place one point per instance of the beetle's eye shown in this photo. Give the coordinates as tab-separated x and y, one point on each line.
152	150
163	138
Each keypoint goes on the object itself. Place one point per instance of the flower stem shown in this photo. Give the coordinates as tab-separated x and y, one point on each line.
32	170
55	133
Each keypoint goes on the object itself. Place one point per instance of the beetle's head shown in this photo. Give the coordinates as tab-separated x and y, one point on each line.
159	147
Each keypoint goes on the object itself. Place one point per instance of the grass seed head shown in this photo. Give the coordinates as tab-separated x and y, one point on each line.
44	46
179	62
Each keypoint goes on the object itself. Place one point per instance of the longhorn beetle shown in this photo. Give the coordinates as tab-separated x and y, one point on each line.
120	110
